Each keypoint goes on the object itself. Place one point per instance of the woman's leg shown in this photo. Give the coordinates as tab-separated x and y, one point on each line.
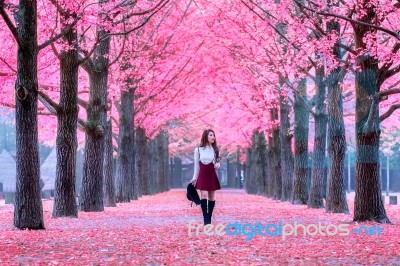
203	204
211	195
211	204
203	194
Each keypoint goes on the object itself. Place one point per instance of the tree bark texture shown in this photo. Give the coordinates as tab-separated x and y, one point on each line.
301	120
91	196
142	161
315	199
167	176
66	142
28	210
261	165
275	176
368	202
250	181
124	157
108	172
286	150
336	195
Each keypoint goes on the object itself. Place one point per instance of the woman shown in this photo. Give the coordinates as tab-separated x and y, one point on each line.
206	161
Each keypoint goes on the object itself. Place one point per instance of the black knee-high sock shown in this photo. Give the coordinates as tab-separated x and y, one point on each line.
211	205
203	204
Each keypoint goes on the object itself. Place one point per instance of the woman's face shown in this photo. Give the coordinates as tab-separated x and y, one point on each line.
211	137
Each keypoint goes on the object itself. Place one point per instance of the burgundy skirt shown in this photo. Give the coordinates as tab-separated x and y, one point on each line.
207	179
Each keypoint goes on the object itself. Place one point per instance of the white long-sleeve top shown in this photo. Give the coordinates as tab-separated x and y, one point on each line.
207	156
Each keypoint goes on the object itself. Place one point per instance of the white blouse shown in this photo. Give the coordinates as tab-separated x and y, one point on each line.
207	156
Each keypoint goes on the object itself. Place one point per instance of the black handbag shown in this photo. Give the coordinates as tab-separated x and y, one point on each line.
192	195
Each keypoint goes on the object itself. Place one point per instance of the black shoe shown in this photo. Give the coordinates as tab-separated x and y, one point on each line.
211	205
203	204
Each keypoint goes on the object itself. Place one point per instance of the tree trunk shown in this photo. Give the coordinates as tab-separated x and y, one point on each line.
134	191
250	181
368	202
160	169
125	137
28	210
238	169
336	195
166	175
261	164
286	150
79	170
231	169
275	188
66	142
176	172
142	161
154	170
108	188
247	171
301	120
91	198
270	168
315	199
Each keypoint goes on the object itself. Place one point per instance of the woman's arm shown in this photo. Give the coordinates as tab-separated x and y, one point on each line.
196	164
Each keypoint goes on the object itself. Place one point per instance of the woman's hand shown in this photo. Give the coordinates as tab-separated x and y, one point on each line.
193	181
217	165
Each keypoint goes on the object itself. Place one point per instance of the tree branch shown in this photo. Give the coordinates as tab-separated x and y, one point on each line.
8	65
308	107
115	136
52	106
383	95
58	36
372	109
388	64
120	53
389	112
87	64
59	8
347	48
141	13
10	25
392	33
83	103
272	26
162	89
9	105
115	121
147	19
44	113
82	125
55	52
392	72
82	60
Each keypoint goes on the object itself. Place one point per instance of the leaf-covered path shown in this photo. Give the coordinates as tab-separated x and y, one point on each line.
154	231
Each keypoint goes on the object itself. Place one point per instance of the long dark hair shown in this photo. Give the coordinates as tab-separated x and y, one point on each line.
204	140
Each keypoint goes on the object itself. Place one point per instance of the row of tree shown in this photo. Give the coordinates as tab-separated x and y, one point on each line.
182	66
142	166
